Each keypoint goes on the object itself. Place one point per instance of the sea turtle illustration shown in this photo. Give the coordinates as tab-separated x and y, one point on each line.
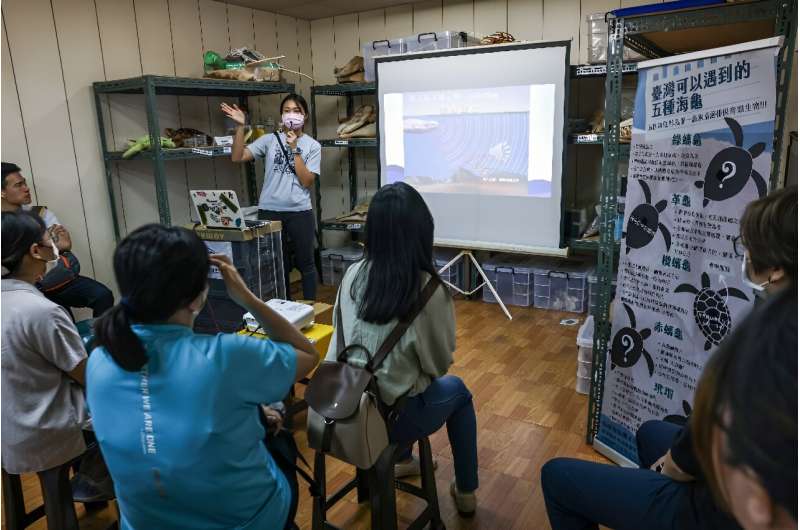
628	345
643	223
731	168
710	309
677	418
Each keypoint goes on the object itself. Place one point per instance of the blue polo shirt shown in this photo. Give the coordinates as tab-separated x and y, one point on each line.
182	437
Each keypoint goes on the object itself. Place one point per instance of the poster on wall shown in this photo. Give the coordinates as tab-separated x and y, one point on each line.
701	151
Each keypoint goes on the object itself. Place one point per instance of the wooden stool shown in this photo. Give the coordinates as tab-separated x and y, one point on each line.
377	485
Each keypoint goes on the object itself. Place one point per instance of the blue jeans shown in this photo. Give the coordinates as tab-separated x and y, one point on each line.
446	400
582	495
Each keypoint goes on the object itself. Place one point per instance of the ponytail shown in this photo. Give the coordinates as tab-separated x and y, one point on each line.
160	270
113	332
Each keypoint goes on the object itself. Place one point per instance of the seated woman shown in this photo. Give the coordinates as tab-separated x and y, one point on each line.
177	413
582	494
745	419
43	358
374	294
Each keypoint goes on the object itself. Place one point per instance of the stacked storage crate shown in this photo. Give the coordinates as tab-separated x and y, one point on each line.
513	279
594	291
422	42
256	253
336	261
563	287
585	340
454	274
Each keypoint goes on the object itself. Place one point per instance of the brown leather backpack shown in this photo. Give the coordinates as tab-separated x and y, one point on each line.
346	418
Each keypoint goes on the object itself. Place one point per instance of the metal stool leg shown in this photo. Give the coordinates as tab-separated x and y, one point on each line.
13	502
429	482
57	495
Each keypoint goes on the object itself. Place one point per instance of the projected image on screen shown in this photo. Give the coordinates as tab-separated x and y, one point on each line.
490	141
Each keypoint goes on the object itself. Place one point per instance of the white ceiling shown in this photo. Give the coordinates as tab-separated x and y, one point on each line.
313	9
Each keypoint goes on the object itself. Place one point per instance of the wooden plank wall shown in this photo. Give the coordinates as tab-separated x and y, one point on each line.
52	51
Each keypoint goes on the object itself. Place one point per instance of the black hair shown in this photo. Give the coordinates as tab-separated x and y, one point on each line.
297	98
398	249
7	169
20	230
159	269
748	392
769	232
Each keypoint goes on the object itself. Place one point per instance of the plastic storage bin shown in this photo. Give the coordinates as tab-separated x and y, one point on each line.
513	279
257	255
379	48
583	384
597	32
586	340
562	288
336	261
440	40
594	290
453	275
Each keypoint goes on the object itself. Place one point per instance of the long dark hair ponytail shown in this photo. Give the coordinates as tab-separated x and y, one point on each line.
159	270
399	248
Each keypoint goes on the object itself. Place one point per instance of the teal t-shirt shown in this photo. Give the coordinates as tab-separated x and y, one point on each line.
182	437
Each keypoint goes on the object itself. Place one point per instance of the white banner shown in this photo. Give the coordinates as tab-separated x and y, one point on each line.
701	151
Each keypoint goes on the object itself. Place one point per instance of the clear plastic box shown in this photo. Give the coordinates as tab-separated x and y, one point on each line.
336	261
513	279
442	257
597	32
594	290
440	40
583	384
380	48
585	340
563	288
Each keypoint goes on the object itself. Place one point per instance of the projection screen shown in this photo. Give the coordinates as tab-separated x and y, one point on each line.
480	133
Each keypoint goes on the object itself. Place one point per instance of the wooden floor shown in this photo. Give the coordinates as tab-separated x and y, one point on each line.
522	376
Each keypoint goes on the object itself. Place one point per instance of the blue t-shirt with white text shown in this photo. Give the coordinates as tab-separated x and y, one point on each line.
182	437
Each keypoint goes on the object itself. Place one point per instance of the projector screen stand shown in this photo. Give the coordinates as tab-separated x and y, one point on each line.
486	282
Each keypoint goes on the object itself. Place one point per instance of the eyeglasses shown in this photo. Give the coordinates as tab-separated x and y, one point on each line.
738	247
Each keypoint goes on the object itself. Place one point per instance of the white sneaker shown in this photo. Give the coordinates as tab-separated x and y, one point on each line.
466	503
410	467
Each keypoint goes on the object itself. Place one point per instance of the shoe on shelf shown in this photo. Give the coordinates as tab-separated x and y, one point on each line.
410	467
466	503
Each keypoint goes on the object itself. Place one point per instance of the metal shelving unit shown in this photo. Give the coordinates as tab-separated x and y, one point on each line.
660	35
154	85
349	91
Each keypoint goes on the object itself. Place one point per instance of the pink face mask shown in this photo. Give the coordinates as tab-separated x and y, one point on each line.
293	120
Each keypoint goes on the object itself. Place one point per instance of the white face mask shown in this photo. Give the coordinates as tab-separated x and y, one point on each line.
759	288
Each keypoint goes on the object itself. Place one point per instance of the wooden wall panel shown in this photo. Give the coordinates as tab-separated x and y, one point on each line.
15	144
37	65
371	27
332	182
458	15
490	16
525	19
399	21
187	47
82	65
427	16
304	57
561	21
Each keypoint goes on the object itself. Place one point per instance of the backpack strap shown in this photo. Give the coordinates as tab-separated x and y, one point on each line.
375	362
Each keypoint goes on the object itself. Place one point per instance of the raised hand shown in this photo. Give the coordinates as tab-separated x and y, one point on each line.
234	113
61	238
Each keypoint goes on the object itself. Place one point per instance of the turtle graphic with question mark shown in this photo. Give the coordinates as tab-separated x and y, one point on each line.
711	311
628	345
643	223
731	168
678	419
